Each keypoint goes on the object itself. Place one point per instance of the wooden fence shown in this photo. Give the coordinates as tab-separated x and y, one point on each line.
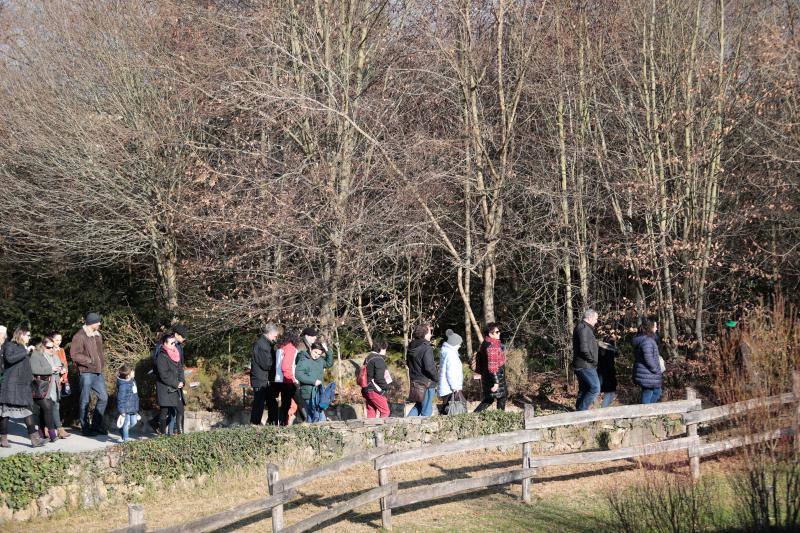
390	496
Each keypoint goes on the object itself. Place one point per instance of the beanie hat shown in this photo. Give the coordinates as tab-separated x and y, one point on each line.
309	332
452	338
181	330
92	319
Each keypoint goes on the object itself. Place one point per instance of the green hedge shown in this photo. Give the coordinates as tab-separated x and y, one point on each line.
25	477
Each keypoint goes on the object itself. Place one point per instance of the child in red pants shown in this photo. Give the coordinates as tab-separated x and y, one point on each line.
378	380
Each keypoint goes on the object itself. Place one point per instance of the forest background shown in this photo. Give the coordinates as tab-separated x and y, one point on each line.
367	164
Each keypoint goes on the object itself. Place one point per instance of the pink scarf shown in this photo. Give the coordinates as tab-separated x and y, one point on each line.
172	352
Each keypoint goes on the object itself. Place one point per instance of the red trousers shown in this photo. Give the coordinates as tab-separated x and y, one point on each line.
376	402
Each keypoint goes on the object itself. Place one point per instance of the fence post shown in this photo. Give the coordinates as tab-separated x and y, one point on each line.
796	391
273	475
383	479
526	455
136	517
691	431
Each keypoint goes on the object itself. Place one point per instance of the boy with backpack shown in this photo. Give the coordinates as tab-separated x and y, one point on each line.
374	380
308	374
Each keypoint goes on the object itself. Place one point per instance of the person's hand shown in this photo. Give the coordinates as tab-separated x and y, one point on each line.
317	383
180	384
496	386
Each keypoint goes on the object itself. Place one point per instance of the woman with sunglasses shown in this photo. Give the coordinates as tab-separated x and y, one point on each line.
15	392
169	381
46	369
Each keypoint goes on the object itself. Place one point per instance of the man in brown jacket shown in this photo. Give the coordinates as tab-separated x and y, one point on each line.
87	352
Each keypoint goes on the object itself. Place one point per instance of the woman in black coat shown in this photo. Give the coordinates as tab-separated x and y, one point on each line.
170	379
16	392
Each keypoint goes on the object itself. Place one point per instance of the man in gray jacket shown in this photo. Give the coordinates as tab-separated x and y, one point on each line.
584	360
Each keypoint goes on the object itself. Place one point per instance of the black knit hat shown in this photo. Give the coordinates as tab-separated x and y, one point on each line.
180	329
92	319
310	332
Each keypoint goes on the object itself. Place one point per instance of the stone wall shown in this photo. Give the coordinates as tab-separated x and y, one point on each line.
96	477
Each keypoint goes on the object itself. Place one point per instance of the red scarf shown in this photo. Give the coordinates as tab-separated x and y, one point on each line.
172	352
495	358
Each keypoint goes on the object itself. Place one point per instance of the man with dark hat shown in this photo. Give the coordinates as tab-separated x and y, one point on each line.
262	377
87	352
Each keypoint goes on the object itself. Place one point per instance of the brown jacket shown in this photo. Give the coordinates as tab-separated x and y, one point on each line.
87	352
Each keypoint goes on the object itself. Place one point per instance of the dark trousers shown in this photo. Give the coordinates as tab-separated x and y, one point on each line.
287	392
29	423
166	416
46	413
265	395
488	400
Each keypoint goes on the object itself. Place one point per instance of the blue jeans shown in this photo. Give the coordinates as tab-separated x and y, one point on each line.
608	397
588	387
651	395
93	382
426	407
130	421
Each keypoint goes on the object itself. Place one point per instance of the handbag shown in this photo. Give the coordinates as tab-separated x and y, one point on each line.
66	390
40	386
457	405
416	392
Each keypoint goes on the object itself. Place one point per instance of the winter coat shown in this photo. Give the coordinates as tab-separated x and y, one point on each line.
307	371
262	363
646	366
17	387
288	362
606	369
421	366
127	399
87	352
584	346
490	379
168	374
451	373
376	374
46	366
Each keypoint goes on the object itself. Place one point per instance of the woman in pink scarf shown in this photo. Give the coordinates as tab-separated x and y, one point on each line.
170	379
490	361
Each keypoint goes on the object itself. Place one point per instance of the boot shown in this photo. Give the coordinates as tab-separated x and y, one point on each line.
4	441
42	434
53	434
62	433
36	442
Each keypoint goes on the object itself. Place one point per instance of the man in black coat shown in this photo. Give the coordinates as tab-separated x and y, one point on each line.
584	360
262	376
422	371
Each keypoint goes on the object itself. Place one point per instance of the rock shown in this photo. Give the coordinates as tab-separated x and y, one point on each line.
349	367
29	512
55	499
6	514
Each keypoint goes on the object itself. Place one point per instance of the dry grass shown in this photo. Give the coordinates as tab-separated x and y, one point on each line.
564	494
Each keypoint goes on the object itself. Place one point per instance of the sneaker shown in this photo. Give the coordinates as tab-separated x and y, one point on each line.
120	421
138	419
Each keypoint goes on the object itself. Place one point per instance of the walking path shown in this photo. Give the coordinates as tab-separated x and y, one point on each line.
18	438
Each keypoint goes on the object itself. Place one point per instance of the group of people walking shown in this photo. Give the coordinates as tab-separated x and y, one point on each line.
594	367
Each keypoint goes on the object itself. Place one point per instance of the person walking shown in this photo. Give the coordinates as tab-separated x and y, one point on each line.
285	358
374	393
584	360
16	400
181	335
647	371
46	369
262	377
490	362
127	401
169	381
63	384
421	371
607	372
309	373
451	372
86	350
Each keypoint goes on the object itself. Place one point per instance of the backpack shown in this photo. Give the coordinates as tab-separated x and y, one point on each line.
361	379
324	396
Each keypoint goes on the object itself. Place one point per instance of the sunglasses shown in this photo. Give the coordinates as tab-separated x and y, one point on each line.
49	347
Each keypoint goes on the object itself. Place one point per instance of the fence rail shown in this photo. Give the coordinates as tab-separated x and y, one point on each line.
383	458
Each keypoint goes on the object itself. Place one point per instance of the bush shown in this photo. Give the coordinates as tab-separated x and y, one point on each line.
24	476
768	493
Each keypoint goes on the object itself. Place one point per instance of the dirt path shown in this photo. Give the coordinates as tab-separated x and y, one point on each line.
565	499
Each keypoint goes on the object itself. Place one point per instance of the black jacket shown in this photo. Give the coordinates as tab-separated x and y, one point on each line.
17	386
262	363
584	346
376	372
169	373
606	369
421	366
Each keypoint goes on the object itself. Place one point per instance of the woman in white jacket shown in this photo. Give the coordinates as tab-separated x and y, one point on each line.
451	373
